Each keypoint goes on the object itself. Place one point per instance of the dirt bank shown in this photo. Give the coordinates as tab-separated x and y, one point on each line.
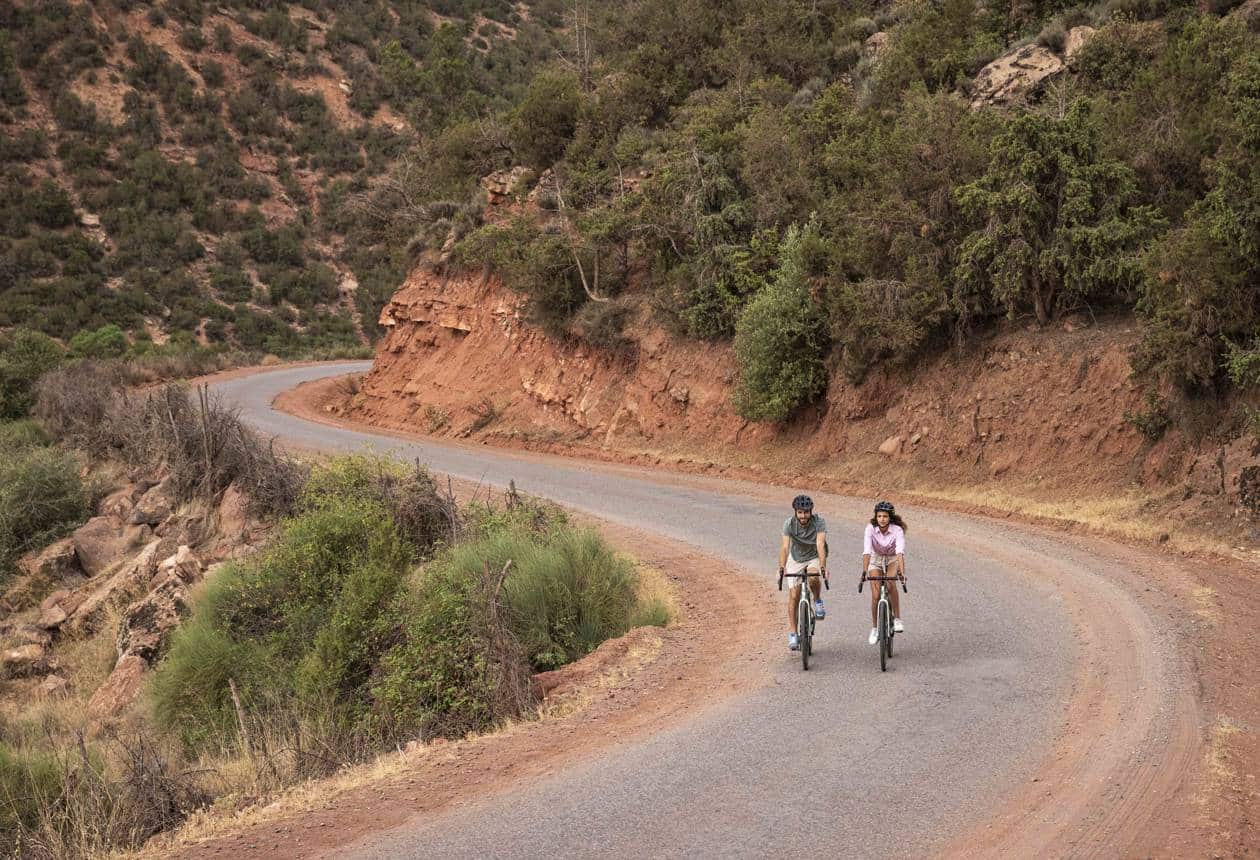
1038	421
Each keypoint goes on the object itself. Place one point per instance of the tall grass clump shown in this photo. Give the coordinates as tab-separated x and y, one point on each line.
84	800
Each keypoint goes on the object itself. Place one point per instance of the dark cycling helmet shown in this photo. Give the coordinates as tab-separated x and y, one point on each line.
802	503
885	506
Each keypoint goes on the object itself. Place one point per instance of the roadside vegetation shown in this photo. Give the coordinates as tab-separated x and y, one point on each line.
379	612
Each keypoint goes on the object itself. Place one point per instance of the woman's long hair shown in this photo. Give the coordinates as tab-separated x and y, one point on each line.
893	520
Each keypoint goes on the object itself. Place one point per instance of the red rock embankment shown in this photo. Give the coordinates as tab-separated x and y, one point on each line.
1042	408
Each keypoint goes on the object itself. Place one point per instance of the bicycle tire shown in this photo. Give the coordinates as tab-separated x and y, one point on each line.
883	637
892	634
802	625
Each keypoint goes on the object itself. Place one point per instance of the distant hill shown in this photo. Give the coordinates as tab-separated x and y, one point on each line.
182	169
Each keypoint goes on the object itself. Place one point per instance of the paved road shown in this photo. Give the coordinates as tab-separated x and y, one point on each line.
897	762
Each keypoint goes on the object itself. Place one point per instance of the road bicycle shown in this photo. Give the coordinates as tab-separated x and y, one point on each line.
883	615
805	615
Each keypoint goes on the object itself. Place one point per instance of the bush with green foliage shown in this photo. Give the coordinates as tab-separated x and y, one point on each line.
108	341
781	339
42	497
25	356
1061	223
330	634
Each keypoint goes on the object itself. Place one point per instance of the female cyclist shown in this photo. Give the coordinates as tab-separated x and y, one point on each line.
884	552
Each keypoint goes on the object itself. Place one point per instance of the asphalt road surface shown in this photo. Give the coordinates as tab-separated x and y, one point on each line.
841	761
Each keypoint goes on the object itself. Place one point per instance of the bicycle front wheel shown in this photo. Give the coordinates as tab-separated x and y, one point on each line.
802	625
883	637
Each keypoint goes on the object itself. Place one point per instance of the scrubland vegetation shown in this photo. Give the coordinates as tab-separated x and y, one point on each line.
672	149
379	611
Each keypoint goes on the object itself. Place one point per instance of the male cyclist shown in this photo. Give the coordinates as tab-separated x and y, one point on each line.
884	553
804	550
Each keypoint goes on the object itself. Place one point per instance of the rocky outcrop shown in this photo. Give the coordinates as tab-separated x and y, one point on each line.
128	581
147	624
875	45
98	543
119	691
154	507
232	515
1076	39
452	343
56	562
1015	76
25	661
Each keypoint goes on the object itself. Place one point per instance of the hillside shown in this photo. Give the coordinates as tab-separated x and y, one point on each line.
190	170
1023	239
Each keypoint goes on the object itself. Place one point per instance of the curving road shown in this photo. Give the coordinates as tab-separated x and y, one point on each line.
985	690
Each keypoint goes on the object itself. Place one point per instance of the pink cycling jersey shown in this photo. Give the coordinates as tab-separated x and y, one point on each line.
891	542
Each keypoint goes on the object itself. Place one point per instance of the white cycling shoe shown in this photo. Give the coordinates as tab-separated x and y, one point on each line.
898	627
874	637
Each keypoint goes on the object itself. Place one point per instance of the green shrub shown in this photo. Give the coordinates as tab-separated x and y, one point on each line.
24	357
49	206
422	514
28	781
108	341
22	434
1114	54
546	119
531	261
42	497
1242	364
1153	421
781	341
300	626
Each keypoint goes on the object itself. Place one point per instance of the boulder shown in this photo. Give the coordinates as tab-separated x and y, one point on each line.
120	689
98	543
87	219
124	585
154	506
1076	39
891	446
1015	76
54	687
233	514
25	661
118	503
183	566
875	45
147	624
52	617
54	563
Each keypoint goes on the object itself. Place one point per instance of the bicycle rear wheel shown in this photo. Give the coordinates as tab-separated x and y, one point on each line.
802	626
883	637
